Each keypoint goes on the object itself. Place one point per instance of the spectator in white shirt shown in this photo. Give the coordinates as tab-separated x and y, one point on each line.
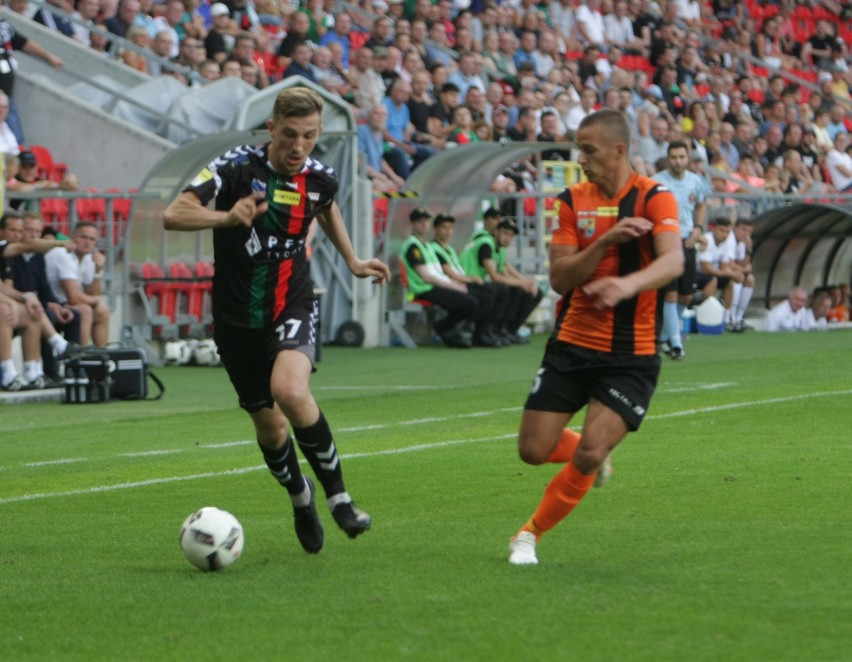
8	141
839	164
789	315
75	278
717	268
590	23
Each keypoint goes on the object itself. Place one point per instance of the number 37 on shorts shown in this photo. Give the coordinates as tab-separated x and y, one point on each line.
298	327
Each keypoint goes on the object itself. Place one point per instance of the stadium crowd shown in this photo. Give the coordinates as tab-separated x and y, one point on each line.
474	70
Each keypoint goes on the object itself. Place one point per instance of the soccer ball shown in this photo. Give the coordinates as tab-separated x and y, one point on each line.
176	352
211	538
206	353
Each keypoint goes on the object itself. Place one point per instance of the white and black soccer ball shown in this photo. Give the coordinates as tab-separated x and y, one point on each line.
206	353
211	538
176	352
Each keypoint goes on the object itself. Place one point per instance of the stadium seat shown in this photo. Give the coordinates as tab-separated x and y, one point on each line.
46	167
416	304
423	310
92	210
159	301
189	297
120	213
54	212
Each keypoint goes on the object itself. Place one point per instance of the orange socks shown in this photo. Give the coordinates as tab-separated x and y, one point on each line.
564	450
560	497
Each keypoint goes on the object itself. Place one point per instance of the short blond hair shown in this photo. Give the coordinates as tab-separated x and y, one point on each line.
297	102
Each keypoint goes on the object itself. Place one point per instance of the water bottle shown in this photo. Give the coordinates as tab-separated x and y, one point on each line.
70	384
83	386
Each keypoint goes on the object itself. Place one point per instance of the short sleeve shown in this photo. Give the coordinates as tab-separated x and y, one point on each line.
414	256
661	210
566	231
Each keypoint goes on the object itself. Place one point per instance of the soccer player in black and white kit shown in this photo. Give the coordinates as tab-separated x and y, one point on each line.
264	310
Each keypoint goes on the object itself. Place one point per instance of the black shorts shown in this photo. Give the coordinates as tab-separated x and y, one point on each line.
721	281
249	354
570	375
685	283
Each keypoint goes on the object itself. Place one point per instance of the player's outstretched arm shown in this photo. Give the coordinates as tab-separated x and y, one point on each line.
332	224
187	213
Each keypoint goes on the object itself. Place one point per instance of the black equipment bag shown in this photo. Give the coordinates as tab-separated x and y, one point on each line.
130	374
109	374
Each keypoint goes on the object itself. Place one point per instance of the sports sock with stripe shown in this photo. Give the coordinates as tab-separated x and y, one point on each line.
317	445
283	463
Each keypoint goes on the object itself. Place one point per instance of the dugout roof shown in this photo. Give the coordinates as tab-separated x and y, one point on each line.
807	244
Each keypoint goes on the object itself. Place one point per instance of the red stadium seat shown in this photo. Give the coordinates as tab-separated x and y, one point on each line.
403	278
158	301
46	166
189	298
54	212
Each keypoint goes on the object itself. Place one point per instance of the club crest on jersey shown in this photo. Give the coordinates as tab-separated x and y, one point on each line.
286	197
586	225
253	245
258	187
204	176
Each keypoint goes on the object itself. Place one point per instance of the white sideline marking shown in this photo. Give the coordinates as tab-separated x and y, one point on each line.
392	451
225	444
421	421
47	463
698	387
740	405
233	472
167	451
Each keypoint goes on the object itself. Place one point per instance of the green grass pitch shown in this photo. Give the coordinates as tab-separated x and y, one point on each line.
724	533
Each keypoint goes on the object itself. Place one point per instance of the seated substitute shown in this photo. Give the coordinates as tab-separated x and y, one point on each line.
486	293
426	280
29	274
19	311
717	268
740	247
485	257
75	279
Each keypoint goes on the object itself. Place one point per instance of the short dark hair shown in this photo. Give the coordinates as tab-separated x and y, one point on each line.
440	219
677	144
6	216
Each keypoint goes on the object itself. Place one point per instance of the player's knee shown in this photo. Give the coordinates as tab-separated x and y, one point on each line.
290	394
588	459
531	452
86	314
271	433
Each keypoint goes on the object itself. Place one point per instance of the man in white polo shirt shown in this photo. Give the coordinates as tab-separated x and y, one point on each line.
75	277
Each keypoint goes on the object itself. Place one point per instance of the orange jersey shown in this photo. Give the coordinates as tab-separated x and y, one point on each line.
584	215
838	314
